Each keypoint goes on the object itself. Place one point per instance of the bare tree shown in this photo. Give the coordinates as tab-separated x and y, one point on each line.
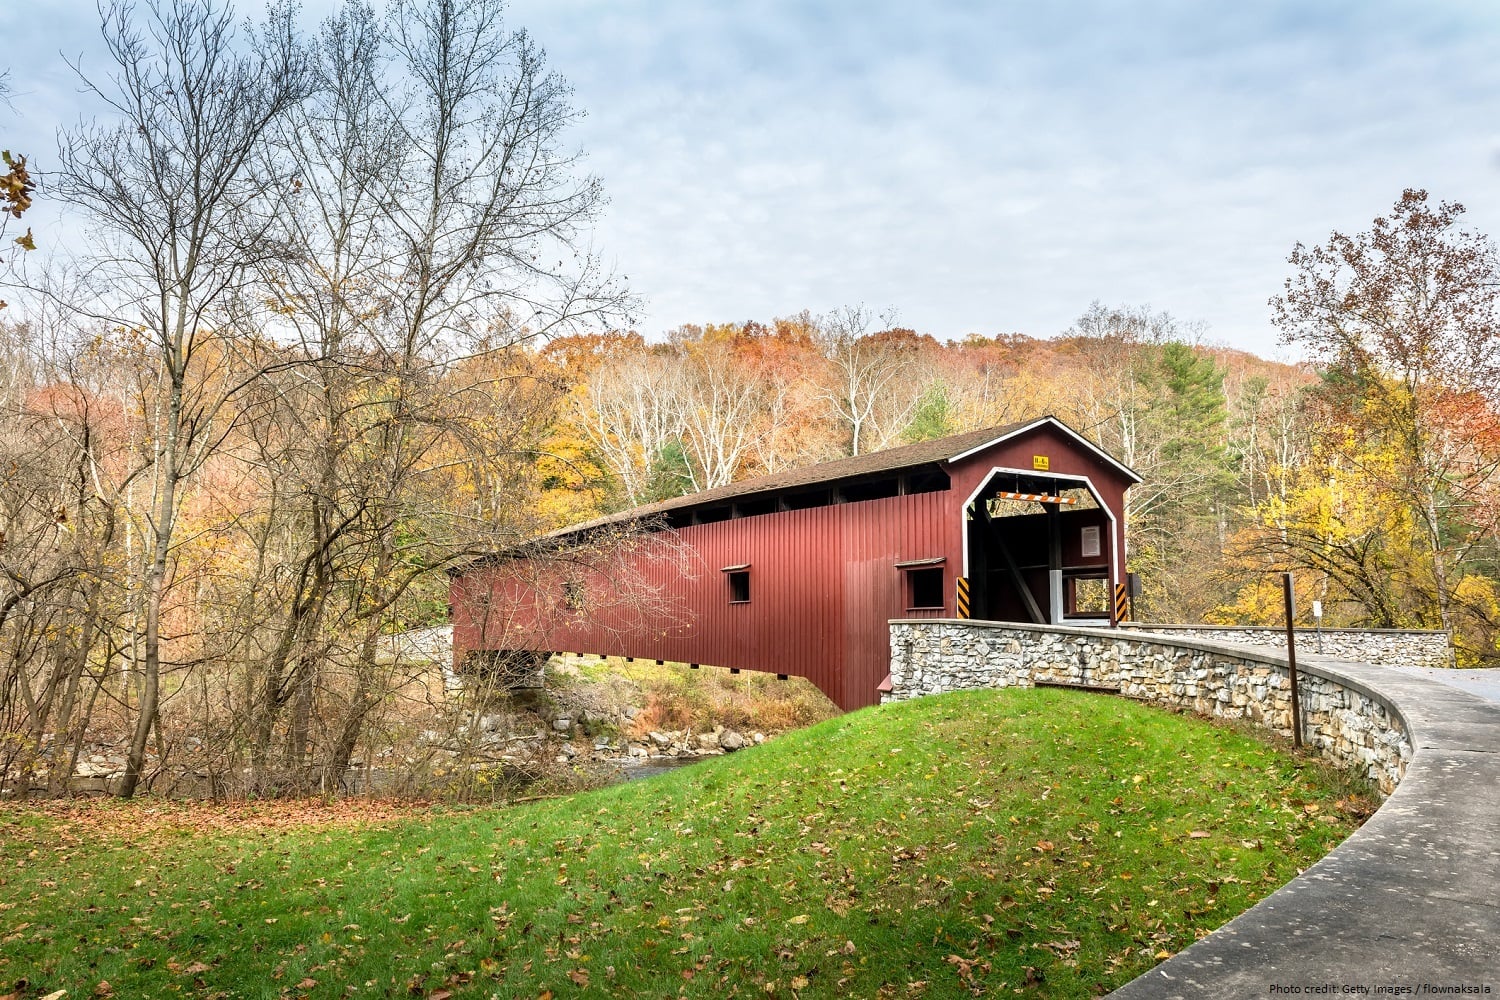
182	198
629	410
722	405
63	443
1120	398
436	226
866	384
1116	392
489	208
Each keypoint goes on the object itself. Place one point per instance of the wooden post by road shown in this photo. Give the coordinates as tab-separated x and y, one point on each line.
1291	658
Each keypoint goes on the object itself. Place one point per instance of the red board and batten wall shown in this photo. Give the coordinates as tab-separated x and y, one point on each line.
824	581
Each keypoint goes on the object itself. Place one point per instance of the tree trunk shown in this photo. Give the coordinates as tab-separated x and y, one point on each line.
1439	570
156	585
135	759
360	703
299	733
63	728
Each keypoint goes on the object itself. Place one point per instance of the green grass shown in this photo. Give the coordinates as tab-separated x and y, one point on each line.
1045	841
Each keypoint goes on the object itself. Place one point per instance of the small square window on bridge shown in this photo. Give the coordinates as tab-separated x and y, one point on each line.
739	586
924	589
738	576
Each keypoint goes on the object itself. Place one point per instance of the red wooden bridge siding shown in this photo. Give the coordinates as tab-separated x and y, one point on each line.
824	581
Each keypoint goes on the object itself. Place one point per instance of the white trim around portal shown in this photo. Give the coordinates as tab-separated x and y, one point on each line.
1085	442
1115	556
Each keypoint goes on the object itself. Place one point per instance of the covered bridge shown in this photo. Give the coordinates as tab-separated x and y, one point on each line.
798	573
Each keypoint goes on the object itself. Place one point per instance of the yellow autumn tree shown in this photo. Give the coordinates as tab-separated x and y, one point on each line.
1354	545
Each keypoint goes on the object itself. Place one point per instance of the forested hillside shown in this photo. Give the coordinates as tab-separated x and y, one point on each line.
335	328
713	404
322	512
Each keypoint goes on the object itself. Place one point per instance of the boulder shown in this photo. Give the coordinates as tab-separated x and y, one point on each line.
731	740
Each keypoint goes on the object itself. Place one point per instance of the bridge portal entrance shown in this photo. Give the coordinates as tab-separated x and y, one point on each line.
1040	548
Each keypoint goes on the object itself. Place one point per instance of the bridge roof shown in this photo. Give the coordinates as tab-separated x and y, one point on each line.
937	451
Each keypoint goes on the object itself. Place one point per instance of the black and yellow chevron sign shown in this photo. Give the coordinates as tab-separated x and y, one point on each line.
963	597
1120	602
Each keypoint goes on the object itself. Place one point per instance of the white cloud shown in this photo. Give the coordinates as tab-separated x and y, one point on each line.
983	166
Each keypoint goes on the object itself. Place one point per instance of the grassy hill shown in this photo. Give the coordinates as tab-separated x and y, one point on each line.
1046	841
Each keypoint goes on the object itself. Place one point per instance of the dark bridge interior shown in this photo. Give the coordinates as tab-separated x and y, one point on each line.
1038	551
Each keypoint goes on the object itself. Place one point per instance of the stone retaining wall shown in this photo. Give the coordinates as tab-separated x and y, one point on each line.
1412	647
1346	722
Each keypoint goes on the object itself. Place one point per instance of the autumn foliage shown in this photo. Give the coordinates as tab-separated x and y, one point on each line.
274	649
237	459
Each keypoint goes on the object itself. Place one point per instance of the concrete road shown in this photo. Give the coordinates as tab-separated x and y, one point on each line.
1484	681
1409	900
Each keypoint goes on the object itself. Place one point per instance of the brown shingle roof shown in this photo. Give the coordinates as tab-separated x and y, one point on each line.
840	470
856	467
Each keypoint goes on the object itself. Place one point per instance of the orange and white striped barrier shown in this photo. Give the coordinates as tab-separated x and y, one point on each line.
1038	497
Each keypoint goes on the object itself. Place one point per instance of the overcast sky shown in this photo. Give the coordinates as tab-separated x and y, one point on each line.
981	167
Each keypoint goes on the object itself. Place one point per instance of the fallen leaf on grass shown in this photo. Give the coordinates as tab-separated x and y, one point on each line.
580	977
1198	834
800	918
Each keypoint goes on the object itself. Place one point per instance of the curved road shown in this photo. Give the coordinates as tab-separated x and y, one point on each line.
1410	900
1483	681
